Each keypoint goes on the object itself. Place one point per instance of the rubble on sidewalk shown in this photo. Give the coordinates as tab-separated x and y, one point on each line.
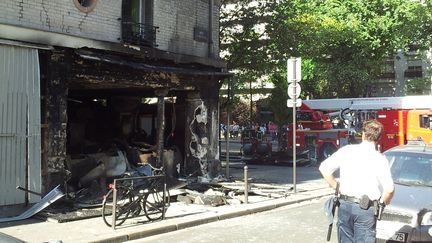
229	193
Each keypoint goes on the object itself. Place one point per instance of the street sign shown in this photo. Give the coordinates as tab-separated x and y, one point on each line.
294	90
294	69
294	76
290	102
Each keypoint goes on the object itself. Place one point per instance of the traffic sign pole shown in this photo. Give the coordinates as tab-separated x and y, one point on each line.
294	144
293	76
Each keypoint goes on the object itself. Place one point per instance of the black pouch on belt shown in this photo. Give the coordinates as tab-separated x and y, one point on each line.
364	202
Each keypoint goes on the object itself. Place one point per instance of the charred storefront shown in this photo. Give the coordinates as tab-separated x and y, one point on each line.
90	89
103	113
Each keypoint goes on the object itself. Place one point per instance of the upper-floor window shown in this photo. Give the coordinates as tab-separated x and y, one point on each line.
142	11
85	5
414	72
388	67
137	22
415	68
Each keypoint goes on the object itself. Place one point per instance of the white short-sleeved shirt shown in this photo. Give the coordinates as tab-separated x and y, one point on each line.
363	170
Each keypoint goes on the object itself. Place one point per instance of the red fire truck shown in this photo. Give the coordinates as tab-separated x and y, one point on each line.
324	125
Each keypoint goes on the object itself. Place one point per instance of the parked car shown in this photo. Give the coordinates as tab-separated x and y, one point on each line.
408	218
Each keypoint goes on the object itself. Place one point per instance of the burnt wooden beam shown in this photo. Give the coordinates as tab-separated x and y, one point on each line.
113	70
56	120
160	93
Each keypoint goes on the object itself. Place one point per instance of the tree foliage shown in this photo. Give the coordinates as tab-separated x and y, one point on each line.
347	40
342	42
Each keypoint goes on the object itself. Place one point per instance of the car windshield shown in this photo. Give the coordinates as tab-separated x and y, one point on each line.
411	169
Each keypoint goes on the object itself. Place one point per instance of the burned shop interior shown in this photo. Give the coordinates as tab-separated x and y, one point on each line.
110	134
103	117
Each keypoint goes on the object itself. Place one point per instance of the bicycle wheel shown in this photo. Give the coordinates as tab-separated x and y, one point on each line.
154	204
122	209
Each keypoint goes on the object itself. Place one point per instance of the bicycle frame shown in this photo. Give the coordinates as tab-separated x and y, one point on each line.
151	187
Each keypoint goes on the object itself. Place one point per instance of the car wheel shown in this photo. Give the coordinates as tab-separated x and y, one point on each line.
327	150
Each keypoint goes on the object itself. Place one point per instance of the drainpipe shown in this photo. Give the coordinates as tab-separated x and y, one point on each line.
210	27
250	103
161	124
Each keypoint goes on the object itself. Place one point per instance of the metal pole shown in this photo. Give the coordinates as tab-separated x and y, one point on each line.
246	192
250	103
227	141
227	162
29	191
219	123
164	195
294	136
113	225
293	67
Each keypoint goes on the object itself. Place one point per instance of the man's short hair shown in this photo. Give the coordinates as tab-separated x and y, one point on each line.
372	130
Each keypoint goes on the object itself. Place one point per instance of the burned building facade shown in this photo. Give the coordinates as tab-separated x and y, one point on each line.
79	78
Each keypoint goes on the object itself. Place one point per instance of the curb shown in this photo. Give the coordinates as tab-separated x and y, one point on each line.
206	218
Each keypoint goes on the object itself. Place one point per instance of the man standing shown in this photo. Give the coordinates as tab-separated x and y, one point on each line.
364	178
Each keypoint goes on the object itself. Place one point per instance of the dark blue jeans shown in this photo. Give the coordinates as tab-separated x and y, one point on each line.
355	225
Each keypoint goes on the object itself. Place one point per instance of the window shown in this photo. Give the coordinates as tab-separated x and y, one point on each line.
85	6
415	68
142	11
137	22
142	16
426	121
414	72
411	169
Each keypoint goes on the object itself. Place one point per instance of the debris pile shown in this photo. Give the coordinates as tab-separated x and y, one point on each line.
227	193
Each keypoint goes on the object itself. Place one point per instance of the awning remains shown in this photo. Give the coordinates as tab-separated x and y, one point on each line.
110	58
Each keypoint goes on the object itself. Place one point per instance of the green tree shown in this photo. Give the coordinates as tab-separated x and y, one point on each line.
342	43
244	42
418	86
347	40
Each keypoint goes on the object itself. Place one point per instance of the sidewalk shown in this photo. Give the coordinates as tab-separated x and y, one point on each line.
179	215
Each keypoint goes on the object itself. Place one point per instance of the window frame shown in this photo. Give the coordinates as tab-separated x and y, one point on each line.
85	9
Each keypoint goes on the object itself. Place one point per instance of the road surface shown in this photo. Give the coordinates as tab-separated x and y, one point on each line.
297	223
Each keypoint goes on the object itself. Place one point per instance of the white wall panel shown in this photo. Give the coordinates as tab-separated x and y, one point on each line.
19	124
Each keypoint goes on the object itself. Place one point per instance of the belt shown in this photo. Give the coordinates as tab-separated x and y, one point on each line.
349	199
354	199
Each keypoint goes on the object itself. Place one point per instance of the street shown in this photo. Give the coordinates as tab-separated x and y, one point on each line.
304	222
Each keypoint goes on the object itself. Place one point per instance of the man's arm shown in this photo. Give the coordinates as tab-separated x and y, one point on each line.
387	195
330	165
387	183
331	180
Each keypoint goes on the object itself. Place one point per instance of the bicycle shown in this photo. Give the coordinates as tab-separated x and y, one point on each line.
134	196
